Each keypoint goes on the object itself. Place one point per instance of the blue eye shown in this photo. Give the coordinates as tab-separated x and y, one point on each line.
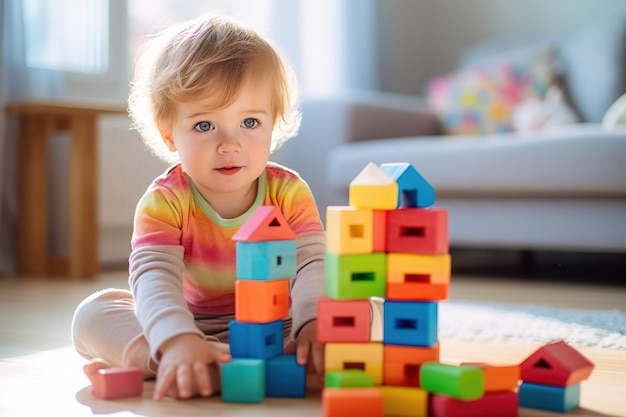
250	123
203	126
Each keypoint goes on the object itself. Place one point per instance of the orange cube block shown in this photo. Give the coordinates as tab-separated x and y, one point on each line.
261	301
499	377
401	364
362	402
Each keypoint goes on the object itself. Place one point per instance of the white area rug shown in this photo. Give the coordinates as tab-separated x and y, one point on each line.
467	320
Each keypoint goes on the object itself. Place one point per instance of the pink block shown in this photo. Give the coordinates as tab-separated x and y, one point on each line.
343	321
112	383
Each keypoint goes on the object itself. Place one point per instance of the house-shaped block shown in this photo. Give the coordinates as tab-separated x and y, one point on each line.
413	189
349	230
557	364
266	223
373	189
263	261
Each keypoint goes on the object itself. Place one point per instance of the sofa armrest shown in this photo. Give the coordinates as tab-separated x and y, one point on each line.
356	116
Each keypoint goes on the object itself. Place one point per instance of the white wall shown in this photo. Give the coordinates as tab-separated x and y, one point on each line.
420	39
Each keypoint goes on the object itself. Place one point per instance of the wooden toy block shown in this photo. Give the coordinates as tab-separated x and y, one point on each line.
411	267
492	404
365	356
377	307
498	377
417	291
401	364
405	401
284	377
263	261
421	231
362	402
117	382
343	321
243	381
410	323
373	189
349	230
255	340
379	231
413	189
556	363
548	397
349	378
463	382
266	223
358	276
261	301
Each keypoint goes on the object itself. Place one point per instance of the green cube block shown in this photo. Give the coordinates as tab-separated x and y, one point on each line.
243	381
349	378
462	382
355	276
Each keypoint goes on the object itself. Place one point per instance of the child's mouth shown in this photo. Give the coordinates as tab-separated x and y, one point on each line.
228	170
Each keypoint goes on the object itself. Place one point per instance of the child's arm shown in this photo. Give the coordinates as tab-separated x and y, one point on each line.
306	289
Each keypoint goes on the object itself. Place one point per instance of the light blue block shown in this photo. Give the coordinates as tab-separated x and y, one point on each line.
243	381
549	397
263	261
410	323
284	377
255	340
413	189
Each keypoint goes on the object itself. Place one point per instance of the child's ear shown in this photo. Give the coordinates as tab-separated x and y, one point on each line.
166	135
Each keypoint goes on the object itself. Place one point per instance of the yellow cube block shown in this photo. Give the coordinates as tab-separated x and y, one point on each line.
409	267
405	401
373	189
365	356
349	230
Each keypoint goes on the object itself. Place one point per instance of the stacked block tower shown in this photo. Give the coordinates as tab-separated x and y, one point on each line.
266	260
387	268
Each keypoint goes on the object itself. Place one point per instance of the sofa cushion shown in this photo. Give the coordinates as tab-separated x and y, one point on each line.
584	160
480	98
594	64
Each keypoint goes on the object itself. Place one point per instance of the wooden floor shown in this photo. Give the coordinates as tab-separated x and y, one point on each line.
40	374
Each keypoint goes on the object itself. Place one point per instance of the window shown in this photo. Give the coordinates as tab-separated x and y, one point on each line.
84	41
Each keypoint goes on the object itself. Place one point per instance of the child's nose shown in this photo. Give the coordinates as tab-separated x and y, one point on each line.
228	144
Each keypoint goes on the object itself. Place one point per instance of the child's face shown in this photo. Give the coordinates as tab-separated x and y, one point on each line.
225	151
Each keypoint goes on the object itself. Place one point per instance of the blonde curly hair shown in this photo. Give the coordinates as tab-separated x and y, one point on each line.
207	59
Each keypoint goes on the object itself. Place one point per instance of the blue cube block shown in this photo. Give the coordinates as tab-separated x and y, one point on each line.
284	377
256	340
410	323
549	397
243	381
268	260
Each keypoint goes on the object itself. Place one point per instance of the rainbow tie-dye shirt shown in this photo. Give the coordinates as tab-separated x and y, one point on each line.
173	213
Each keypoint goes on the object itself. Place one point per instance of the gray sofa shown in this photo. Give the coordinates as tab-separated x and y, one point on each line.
562	189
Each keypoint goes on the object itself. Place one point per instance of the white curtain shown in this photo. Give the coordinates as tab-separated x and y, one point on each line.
17	83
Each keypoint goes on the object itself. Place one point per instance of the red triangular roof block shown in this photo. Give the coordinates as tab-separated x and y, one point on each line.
556	363
266	223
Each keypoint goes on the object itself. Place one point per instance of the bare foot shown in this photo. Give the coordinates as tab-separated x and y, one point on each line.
91	369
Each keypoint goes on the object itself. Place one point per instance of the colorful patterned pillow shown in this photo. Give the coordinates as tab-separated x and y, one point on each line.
481	99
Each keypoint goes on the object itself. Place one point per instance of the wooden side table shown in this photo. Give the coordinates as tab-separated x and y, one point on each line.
39	119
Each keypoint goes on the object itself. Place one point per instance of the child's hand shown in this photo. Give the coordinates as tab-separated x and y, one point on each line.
308	346
184	369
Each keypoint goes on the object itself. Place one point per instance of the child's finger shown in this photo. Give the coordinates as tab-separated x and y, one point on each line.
201	374
165	379
302	351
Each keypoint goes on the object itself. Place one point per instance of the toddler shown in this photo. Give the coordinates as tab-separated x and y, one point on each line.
214	98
